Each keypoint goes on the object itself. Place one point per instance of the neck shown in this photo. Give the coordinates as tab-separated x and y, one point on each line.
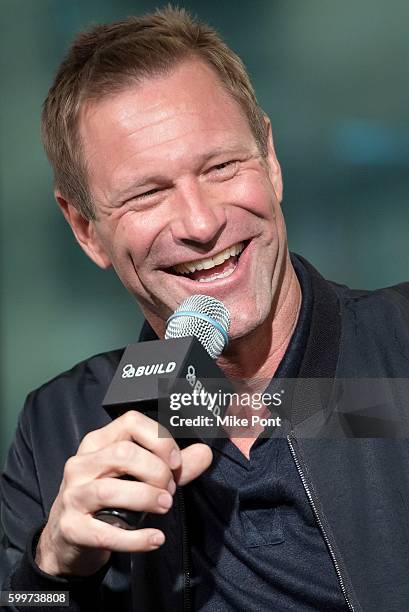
268	343
267	346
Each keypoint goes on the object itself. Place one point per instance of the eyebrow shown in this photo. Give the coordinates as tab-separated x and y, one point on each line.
146	179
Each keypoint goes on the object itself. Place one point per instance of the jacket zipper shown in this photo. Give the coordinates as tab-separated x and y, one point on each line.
318	519
187	607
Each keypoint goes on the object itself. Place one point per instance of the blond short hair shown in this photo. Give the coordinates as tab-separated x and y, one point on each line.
106	58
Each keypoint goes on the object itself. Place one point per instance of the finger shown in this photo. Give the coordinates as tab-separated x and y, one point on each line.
117	459
196	458
139	428
88	532
115	493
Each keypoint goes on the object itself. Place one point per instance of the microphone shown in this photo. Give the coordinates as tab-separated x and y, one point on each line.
152	374
203	317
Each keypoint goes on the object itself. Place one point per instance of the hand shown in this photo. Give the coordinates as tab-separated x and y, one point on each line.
73	542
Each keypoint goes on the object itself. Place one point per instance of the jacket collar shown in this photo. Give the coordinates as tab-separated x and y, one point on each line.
321	353
322	348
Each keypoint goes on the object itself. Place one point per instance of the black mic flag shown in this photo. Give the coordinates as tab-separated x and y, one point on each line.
175	381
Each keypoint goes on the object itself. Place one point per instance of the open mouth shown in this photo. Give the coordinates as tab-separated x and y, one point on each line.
209	269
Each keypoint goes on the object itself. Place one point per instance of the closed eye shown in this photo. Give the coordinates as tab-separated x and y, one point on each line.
225	170
224	165
146	194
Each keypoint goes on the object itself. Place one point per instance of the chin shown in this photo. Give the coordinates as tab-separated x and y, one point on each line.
245	323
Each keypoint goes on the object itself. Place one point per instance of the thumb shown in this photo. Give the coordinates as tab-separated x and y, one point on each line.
196	458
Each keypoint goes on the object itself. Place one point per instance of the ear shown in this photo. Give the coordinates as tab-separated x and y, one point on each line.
273	164
84	231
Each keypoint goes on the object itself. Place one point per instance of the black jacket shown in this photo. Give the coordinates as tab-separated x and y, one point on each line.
358	486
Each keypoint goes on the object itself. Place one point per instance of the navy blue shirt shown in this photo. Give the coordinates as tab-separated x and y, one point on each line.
255	543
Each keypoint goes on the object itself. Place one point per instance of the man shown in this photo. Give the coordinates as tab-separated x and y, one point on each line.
165	169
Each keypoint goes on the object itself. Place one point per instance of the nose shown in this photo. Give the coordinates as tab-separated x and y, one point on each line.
199	217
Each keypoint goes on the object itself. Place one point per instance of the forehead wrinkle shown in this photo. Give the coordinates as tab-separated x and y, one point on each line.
124	114
158	141
93	150
180	138
151	124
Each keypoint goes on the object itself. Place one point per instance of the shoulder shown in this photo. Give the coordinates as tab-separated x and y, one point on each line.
92	371
373	308
91	374
70	404
390	301
375	330
374	325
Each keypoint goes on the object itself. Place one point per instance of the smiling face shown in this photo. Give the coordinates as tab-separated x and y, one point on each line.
184	201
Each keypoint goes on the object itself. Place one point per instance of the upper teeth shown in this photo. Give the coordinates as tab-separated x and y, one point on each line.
209	262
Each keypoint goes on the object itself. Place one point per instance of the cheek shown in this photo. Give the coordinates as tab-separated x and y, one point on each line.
134	236
256	195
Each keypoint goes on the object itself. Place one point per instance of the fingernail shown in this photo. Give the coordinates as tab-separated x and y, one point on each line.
157	539
171	486
165	500
175	459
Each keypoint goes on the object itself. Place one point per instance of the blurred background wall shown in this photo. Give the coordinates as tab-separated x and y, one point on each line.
333	76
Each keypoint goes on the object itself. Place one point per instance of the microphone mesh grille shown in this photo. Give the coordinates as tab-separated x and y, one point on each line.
189	325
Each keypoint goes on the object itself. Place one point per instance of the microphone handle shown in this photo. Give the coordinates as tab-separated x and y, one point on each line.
125	519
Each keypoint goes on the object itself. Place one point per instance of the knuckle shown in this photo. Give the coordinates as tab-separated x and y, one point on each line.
102	492
88	442
123	451
70	467
87	438
131	417
102	540
161	473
